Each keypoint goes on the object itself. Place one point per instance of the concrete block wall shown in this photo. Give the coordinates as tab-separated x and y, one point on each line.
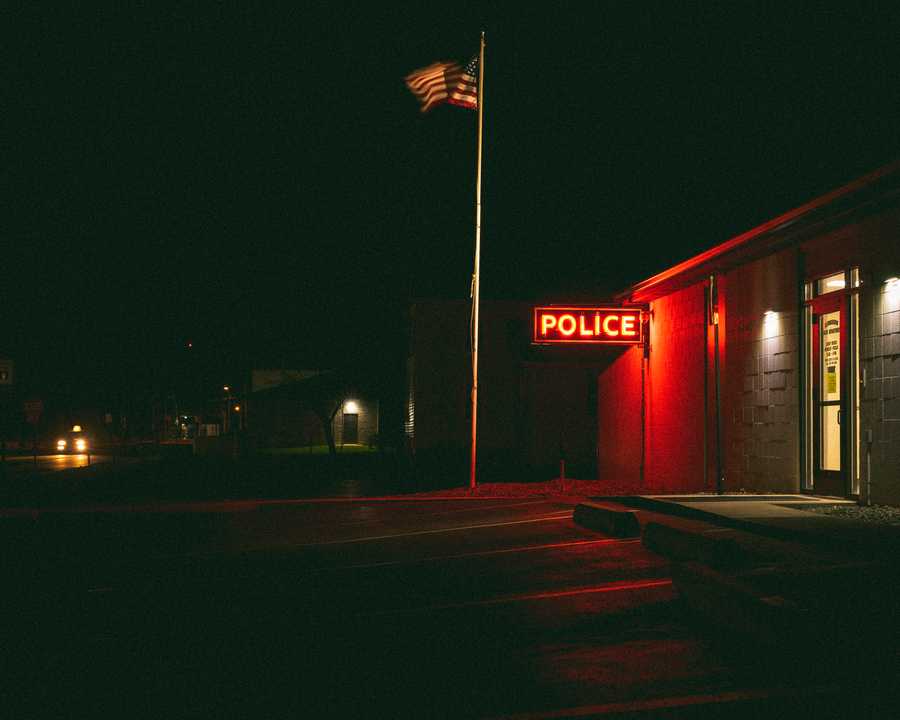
761	372
440	364
880	397
532	400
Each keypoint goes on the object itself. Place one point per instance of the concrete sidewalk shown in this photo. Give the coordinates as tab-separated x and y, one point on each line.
781	517
815	588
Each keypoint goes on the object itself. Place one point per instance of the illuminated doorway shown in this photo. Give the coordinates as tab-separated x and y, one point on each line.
350	433
831	383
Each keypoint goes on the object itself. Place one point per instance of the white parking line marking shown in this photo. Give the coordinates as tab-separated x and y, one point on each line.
484	553
493	507
665	703
611	587
380	519
559	516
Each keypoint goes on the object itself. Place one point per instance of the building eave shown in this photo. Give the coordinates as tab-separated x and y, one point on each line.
764	238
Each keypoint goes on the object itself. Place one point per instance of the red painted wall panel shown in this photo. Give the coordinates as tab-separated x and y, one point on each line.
619	420
675	407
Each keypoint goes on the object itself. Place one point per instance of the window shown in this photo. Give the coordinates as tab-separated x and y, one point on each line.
831	284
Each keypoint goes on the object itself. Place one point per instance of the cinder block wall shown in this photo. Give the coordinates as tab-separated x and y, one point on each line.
441	363
873	244
760	413
880	401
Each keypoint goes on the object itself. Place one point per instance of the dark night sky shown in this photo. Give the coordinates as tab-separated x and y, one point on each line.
256	177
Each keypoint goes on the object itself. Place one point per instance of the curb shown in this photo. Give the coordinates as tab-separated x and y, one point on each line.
617	523
735	606
694	513
692	546
840	537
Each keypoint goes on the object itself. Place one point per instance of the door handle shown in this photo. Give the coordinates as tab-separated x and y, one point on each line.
839	416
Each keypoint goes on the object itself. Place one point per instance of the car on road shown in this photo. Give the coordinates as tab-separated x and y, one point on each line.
75	441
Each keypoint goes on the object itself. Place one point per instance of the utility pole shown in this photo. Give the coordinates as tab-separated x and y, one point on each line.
476	289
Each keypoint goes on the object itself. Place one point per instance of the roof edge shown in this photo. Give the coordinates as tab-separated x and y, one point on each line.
645	287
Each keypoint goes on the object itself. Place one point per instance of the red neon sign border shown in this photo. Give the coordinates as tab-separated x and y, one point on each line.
587	308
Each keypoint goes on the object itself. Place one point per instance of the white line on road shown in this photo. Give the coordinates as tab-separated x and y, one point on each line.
666	703
476	508
439	513
483	553
559	516
611	587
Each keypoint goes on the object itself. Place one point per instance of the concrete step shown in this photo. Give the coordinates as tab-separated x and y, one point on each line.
607	518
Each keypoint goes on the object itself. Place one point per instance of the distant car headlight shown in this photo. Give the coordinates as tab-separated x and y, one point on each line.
60	444
81	445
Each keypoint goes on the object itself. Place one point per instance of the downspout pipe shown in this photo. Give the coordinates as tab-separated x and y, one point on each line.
645	358
714	302
706	324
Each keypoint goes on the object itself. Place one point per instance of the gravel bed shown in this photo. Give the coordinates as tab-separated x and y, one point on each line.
876	514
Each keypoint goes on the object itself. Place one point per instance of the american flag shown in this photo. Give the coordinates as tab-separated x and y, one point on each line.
445	82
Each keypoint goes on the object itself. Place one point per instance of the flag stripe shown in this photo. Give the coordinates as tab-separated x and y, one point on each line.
466	92
445	82
433	73
430	84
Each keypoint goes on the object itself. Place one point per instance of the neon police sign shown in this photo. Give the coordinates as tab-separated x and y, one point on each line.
558	325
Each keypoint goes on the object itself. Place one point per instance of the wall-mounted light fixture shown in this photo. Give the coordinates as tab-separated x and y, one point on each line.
350	407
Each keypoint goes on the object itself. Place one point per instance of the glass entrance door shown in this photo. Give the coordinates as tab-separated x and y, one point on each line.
829	373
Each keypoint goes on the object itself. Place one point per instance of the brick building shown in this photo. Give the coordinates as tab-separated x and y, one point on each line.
773	359
771	364
281	414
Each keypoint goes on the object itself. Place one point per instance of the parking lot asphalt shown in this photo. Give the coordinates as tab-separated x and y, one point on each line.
471	608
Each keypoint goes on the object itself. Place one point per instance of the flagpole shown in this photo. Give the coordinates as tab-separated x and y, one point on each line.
475	277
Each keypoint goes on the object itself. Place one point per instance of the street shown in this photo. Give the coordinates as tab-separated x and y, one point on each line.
25	464
472	608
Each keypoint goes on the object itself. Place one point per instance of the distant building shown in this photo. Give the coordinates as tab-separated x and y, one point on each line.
266	378
536	405
279	413
7	376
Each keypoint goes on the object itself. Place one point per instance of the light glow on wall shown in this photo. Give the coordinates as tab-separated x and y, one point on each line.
891	299
351	407
770	323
